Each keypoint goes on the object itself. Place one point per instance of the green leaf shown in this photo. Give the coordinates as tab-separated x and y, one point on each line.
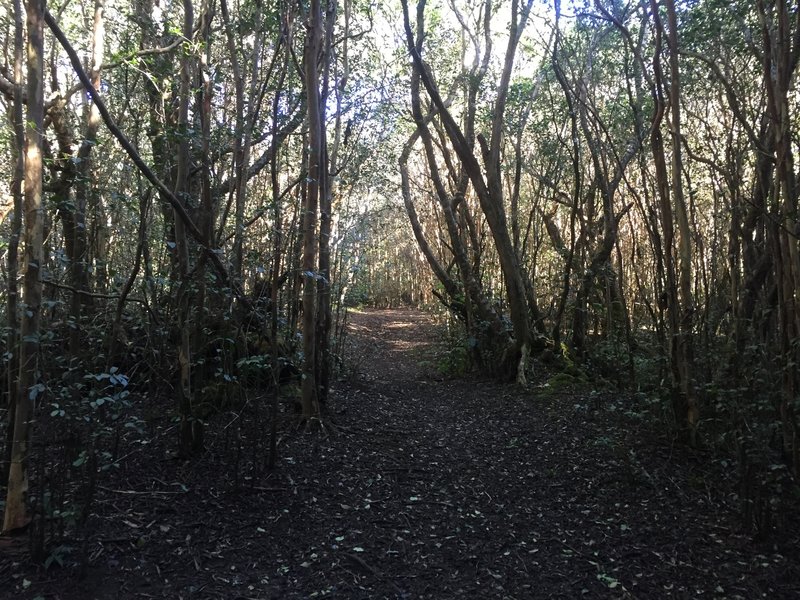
35	390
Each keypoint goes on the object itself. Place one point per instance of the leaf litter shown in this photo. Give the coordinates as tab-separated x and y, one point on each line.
424	487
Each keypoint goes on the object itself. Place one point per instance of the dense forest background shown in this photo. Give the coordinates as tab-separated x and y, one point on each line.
195	191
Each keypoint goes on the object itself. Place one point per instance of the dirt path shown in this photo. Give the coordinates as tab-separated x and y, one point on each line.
440	488
482	490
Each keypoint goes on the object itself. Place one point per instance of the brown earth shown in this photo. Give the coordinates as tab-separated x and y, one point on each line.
421	486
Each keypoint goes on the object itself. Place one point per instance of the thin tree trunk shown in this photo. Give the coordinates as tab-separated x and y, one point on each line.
243	138
780	55
17	193
685	345
450	286
191	427
277	252
79	272
323	359
29	388
206	215
315	173
117	331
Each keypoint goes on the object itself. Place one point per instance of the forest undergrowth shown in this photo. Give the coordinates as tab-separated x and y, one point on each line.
421	483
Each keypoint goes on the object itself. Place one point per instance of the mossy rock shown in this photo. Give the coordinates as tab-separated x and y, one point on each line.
570	380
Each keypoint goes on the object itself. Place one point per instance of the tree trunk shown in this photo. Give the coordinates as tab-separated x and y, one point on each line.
685	345
314	175
29	388
323	358
206	215
277	265
678	291
191	430
17	193
780	55
243	137
489	190
79	271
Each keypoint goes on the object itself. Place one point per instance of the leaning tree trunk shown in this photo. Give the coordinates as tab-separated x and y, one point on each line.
489	189
482	321
495	341
29	387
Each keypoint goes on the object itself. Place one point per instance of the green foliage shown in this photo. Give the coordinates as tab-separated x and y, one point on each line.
254	370
454	361
98	398
609	358
452	357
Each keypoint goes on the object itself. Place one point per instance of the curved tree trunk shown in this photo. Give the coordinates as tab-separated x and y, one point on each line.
488	188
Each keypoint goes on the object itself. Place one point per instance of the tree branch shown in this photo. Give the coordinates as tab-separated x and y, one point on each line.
214	253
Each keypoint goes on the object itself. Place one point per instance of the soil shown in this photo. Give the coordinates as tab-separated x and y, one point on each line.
419	485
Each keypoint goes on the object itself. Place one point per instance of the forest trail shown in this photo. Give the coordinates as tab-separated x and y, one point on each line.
429	487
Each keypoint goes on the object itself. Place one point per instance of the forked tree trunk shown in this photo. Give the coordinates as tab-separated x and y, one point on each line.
678	290
495	340
488	184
